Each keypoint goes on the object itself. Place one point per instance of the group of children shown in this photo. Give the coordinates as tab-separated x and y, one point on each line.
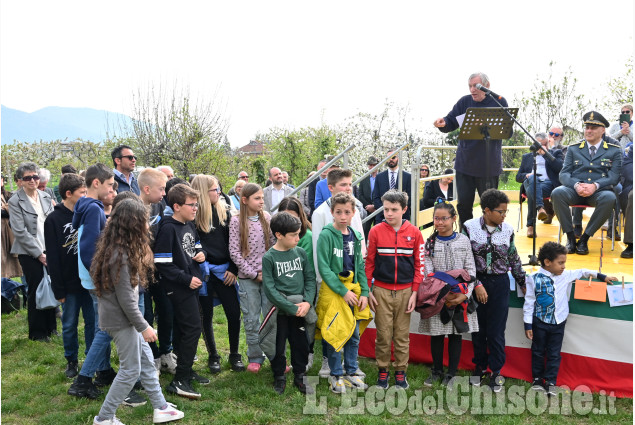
305	280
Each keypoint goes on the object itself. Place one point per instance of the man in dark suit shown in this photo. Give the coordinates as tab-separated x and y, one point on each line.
387	180
365	193
591	169
547	173
626	199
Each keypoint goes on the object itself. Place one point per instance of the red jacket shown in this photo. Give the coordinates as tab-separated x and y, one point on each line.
395	259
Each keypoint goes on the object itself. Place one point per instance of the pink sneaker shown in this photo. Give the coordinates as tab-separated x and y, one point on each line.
287	369
254	367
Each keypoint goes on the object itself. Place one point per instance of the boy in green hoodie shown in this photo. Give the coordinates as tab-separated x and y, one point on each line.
288	280
343	301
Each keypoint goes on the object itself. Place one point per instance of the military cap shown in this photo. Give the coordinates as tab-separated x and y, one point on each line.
595	118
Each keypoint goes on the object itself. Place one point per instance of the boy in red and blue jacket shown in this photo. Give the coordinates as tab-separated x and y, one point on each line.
395	262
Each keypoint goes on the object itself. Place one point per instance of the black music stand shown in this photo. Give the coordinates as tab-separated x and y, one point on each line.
487	124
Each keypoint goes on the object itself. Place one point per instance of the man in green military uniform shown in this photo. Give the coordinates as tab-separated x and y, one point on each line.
591	169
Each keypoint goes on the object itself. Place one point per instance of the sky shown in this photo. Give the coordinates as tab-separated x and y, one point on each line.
294	64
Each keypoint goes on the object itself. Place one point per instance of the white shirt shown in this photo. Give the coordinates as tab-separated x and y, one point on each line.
561	291
540	168
276	195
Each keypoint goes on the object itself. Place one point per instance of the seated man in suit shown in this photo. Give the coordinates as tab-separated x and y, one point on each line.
591	169
389	179
547	173
626	200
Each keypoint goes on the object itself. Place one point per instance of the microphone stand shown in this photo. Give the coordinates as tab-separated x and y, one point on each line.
533	259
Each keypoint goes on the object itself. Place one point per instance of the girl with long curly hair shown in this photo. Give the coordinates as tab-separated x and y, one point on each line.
121	265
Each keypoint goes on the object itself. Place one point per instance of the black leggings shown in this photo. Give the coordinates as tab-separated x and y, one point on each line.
42	323
454	352
229	299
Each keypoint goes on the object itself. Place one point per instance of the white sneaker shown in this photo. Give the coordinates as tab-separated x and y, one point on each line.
170	413
337	384
356	381
325	371
114	421
309	363
168	363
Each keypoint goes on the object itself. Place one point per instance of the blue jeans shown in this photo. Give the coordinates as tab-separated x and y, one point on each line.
98	357
70	319
543	190
350	349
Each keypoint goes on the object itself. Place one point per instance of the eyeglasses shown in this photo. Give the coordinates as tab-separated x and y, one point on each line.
441	219
502	212
217	190
551	133
194	206
424	169
627	112
243	177
130	157
31	177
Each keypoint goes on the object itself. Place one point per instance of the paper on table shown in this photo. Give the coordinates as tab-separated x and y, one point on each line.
619	296
513	287
460	119
590	291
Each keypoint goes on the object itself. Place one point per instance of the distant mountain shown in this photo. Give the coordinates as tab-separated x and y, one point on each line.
54	122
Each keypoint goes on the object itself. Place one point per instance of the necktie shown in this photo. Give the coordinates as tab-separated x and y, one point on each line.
392	179
592	150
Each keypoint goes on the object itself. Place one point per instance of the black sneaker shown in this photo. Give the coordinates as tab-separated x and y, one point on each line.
496	383
478	377
236	363
71	369
551	389
105	377
182	388
382	378
435	376
200	379
279	384
214	364
134	399
84	390
447	380
401	380
538	385
301	383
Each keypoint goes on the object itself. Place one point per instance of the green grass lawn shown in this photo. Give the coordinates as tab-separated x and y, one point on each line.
34	392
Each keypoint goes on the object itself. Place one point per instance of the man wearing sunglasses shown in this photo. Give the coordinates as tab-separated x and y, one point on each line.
555	139
591	169
125	162
622	131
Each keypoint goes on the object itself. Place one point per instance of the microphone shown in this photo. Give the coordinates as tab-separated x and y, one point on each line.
484	89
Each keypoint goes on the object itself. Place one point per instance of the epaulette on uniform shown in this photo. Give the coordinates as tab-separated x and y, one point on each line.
607	144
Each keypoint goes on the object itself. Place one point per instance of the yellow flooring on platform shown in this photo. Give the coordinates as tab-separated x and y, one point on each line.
612	264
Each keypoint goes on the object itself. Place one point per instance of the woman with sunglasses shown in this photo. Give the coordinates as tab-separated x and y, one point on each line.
28	209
